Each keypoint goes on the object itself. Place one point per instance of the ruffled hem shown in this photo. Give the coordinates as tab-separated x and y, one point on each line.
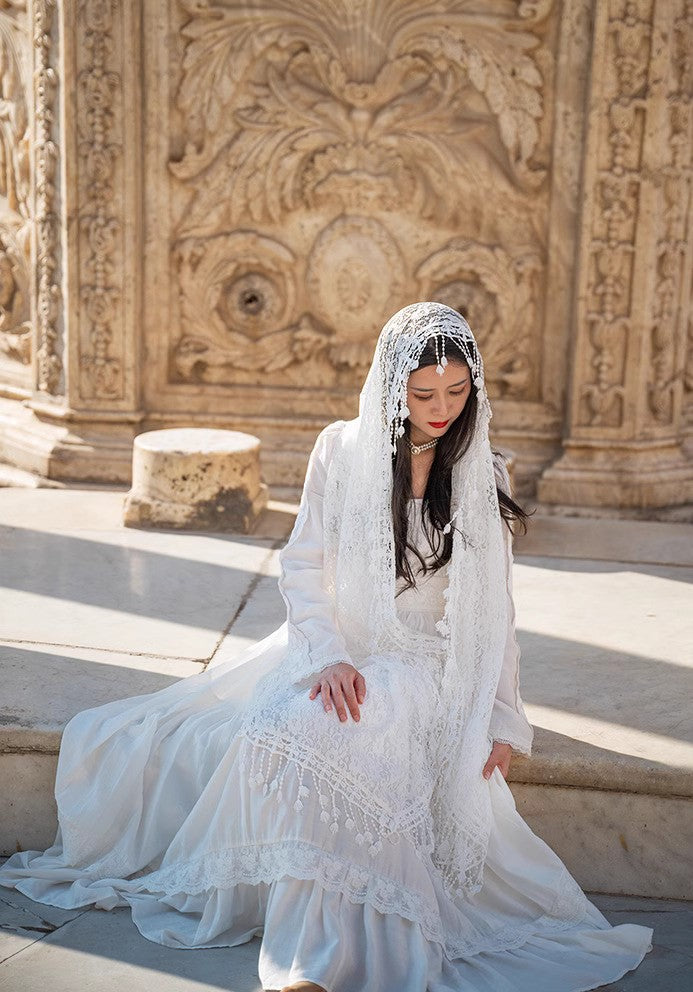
333	942
527	890
320	933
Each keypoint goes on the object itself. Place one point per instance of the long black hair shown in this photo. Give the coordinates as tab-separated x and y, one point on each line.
436	500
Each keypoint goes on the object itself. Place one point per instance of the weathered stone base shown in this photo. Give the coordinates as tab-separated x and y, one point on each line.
229	510
64	446
627	843
637	475
29	813
197	479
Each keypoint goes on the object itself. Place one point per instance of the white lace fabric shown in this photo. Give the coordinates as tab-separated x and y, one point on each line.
339	585
172	802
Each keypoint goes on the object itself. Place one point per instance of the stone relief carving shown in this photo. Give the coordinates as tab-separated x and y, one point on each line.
674	224
497	293
14	124
354	122
232	289
45	164
688	373
100	145
15	328
609	280
378	100
307	174
355	275
15	325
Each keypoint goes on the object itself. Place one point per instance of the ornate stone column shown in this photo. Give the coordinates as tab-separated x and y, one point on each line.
625	431
15	198
80	395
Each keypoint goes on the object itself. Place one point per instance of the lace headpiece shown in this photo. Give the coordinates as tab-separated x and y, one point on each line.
360	568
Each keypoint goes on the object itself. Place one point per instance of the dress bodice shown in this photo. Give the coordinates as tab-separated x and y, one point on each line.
427	596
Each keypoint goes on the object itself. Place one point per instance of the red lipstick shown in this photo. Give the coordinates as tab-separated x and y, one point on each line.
444	423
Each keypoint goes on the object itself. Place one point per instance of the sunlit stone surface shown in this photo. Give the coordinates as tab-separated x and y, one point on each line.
216	237
195	478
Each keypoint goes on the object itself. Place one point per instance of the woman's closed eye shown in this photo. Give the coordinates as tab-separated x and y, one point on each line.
458	393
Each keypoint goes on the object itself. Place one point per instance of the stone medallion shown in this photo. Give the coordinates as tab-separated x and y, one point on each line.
355	281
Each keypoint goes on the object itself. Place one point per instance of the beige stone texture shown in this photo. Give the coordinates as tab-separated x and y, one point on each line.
195	478
29	814
214	234
619	842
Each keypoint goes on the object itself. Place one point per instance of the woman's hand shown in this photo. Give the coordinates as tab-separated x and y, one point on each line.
499	758
341	683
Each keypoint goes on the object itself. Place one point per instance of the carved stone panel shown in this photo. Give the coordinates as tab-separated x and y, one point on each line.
321	172
209	208
15	210
103	146
625	431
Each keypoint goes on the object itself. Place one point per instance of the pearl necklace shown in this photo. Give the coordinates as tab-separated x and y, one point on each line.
417	448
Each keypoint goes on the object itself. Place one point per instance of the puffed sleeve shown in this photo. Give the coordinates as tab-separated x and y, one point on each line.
509	723
314	637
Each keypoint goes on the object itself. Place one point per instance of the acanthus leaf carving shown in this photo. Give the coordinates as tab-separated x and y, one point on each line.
496	291
667	377
201	359
601	397
292	110
48	294
236	294
99	149
15	207
15	324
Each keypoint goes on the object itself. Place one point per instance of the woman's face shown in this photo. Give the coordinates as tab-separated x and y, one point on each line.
435	401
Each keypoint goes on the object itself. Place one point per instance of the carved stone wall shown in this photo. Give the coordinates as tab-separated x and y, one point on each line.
16	99
319	173
222	203
625	428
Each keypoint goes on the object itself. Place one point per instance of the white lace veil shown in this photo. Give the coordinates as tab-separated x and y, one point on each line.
359	563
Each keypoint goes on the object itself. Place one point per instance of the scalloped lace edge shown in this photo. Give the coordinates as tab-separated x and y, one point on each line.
265	863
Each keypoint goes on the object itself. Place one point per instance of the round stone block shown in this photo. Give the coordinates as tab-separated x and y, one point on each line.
197	479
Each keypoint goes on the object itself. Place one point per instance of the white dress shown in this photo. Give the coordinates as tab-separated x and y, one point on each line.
164	808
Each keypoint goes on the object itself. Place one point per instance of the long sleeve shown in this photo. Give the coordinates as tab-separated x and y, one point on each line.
314	638
509	723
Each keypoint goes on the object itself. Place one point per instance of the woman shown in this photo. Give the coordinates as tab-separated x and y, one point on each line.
339	788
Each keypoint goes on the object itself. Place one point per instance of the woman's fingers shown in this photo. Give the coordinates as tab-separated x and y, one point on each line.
498	758
343	690
338	697
351	701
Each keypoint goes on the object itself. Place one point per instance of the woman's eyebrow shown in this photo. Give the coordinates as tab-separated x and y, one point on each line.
429	389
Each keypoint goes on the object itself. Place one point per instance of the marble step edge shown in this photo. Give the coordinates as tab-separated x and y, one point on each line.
560	760
557	760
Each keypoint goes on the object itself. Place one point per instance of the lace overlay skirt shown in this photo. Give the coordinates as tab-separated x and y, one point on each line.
162	810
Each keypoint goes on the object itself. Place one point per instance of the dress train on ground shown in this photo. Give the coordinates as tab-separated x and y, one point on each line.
166	806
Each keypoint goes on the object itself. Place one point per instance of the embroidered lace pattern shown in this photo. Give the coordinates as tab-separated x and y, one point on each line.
440	800
359	562
266	862
424	789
